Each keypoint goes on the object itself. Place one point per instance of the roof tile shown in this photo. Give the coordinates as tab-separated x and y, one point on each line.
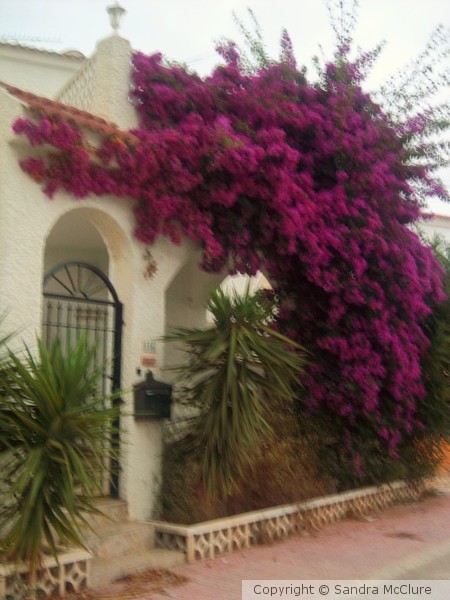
59	110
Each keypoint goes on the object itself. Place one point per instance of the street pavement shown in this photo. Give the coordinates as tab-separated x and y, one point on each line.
438	568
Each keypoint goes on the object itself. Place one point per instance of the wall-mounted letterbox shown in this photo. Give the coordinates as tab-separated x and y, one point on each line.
152	399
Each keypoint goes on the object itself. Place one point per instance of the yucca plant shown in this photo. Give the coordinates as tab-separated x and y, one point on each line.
237	370
4	375
54	440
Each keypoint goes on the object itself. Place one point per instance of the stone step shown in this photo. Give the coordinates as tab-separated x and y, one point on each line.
120	539
106	570
113	510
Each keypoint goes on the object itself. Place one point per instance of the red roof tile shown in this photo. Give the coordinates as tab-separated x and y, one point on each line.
58	110
429	213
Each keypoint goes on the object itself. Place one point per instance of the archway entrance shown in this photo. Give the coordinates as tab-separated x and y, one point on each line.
79	300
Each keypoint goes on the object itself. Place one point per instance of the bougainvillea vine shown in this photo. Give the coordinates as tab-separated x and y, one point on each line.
311	183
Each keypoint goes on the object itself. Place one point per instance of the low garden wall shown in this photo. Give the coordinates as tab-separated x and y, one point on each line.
211	538
71	573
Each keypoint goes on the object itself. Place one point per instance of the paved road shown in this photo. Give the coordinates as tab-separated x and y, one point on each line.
434	566
439	569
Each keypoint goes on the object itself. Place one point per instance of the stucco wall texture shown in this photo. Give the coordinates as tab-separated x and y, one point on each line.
37	71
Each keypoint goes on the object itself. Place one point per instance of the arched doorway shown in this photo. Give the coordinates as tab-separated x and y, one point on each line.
79	300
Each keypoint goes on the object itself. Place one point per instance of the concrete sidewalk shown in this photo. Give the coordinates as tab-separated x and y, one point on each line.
400	542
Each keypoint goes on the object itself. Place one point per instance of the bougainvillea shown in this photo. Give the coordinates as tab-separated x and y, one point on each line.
311	183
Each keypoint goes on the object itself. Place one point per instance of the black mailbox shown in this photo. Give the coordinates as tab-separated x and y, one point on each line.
152	399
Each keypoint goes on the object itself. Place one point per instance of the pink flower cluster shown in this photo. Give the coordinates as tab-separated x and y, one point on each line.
309	183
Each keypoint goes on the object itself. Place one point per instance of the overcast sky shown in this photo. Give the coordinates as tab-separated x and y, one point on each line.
185	30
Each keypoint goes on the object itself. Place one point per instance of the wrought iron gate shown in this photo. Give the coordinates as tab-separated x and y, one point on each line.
79	300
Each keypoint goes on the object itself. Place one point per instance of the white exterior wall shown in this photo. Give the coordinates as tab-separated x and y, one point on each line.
36	71
102	85
28	219
21	233
25	224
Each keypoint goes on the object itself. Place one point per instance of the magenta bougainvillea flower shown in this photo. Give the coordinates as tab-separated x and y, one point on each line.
308	182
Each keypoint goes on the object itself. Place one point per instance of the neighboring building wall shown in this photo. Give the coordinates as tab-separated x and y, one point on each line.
437	225
37	71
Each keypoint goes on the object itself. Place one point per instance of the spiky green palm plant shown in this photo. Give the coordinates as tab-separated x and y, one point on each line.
54	438
5	369
236	371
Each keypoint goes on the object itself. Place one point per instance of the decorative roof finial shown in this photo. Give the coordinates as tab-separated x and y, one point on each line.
115	12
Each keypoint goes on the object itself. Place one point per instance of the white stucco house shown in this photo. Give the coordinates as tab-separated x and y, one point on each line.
68	265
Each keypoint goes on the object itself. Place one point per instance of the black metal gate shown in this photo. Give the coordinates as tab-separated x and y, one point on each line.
79	300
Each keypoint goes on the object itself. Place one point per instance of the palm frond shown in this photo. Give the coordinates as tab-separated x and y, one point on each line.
234	371
54	444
